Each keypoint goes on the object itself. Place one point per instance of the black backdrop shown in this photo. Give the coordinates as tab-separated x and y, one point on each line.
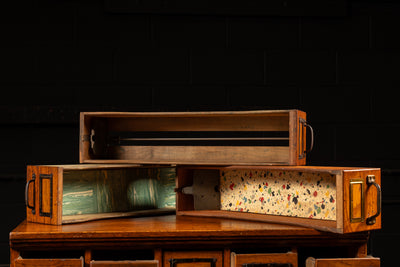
63	57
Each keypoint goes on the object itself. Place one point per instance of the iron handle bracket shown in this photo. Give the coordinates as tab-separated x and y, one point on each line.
371	181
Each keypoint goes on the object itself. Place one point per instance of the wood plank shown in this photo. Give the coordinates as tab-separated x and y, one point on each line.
172	230
294	138
97	216
206	123
111	114
84	132
343	262
202	155
329	226
339	202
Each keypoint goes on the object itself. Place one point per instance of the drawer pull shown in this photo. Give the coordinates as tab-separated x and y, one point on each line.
303	147
371	181
27	194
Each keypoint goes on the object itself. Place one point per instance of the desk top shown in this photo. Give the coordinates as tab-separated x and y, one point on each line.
169	228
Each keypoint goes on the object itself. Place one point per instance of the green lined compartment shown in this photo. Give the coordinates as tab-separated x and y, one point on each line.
117	190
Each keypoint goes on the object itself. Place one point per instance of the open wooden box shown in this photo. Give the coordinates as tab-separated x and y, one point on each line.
263	137
59	194
336	199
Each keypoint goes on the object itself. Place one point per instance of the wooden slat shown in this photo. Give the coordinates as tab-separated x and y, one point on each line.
214	123
203	155
97	216
323	225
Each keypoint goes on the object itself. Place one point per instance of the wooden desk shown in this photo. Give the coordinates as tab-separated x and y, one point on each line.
166	240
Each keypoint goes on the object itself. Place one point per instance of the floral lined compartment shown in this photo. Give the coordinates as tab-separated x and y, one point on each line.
287	193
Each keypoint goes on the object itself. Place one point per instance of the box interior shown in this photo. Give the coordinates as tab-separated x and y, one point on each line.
290	193
117	190
189	138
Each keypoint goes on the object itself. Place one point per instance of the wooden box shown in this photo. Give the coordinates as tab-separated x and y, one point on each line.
59	194
203	138
336	199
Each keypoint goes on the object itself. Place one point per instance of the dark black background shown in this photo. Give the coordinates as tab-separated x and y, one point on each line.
63	57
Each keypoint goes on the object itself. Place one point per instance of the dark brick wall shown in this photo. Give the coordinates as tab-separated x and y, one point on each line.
63	57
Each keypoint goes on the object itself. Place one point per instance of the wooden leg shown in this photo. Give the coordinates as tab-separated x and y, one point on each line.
13	256
227	257
362	251
88	257
158	256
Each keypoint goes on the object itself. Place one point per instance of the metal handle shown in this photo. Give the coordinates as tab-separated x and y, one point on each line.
306	151
371	181
27	194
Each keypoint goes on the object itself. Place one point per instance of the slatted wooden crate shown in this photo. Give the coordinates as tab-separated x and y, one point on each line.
261	137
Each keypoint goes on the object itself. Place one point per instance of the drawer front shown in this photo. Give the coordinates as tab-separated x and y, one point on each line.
42	195
361	201
197	259
345	262
149	263
48	262
262	260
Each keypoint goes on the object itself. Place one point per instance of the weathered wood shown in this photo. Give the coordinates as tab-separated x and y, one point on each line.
215	155
101	124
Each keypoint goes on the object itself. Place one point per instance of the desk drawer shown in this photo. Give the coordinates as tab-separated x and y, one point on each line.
193	258
20	262
335	199
60	194
266	259
344	262
149	263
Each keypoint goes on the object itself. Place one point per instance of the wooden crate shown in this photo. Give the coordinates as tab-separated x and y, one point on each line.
59	194
263	137
336	199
